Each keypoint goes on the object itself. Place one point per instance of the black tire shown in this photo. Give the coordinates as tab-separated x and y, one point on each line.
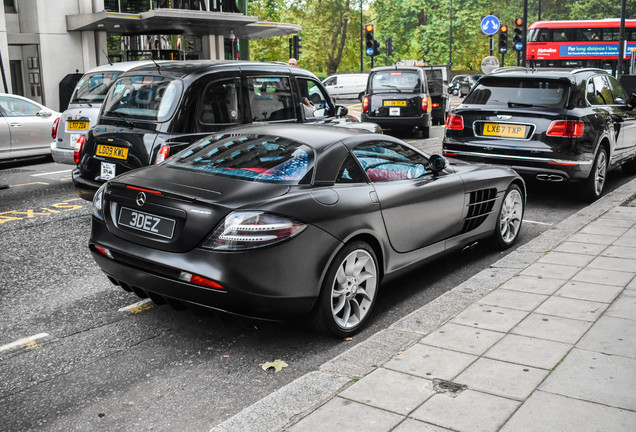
344	306
426	132
594	184
509	218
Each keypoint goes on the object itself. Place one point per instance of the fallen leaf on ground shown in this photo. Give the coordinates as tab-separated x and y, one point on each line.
276	364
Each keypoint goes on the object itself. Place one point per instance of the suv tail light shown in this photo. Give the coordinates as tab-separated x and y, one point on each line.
566	128
454	122
79	148
163	153
56	123
424	104
365	104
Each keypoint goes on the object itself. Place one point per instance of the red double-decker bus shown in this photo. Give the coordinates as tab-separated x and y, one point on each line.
574	44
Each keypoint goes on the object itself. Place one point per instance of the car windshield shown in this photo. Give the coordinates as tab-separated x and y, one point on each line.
518	92
260	158
144	97
93	88
393	80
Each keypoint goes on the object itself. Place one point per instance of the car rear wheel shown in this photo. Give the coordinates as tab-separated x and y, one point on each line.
509	219
426	132
593	186
348	292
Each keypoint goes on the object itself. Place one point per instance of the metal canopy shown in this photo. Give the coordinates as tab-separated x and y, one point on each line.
176	21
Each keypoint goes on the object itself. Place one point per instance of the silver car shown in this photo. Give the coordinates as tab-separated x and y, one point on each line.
84	107
25	127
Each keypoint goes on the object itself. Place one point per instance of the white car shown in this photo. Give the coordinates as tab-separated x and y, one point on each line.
25	127
346	86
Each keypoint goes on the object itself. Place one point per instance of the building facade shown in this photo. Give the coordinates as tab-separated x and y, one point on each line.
42	41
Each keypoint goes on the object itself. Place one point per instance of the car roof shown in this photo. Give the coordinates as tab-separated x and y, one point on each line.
122	66
316	136
400	68
572	75
180	69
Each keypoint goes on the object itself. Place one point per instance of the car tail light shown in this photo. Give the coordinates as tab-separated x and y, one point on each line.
163	153
566	128
435	105
242	230
365	104
79	148
454	122
199	280
97	209
56	123
424	104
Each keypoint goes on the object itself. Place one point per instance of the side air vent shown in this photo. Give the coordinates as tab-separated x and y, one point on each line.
479	207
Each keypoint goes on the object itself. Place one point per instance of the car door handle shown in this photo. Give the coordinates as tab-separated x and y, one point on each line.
16	124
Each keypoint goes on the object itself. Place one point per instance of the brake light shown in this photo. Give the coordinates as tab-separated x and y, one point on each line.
566	128
365	104
424	104
79	148
199	280
56	123
163	153
435	105
151	191
454	122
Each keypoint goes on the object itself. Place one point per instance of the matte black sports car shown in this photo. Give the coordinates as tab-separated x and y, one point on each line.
277	220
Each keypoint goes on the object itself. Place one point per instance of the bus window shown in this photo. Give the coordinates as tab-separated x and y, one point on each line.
610	34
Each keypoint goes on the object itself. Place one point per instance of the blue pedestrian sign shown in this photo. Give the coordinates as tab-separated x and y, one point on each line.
490	25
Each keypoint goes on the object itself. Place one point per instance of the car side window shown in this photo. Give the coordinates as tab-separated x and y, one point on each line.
14	107
350	172
270	99
620	97
387	161
331	81
312	98
219	104
600	93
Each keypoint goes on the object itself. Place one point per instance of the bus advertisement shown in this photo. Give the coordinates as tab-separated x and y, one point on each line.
588	43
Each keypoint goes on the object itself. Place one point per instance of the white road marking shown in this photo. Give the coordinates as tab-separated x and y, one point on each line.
49	173
537	223
23	341
137	307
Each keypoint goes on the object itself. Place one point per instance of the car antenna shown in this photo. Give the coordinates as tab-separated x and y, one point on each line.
107	58
156	64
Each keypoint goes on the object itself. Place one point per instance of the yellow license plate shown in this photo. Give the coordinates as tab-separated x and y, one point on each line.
112	152
505	130
77	125
394	103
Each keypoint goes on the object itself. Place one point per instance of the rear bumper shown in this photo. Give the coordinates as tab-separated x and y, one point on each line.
62	155
85	189
420	122
540	167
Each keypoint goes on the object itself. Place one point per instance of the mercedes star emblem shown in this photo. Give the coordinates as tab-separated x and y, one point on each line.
141	199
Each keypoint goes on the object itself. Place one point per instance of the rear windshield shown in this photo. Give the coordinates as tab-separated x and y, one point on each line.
514	92
390	81
92	88
259	158
144	97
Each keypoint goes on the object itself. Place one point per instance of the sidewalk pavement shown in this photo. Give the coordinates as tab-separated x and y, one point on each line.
543	340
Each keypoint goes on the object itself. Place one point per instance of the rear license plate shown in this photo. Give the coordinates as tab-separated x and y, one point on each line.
390	103
394	111
77	125
112	152
146	222
505	130
107	171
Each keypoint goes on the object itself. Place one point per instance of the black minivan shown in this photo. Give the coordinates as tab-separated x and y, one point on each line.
154	111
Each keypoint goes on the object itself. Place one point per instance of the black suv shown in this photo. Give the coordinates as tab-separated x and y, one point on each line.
154	111
397	98
553	125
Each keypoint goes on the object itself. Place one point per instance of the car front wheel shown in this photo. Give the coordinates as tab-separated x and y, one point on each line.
349	291
509	219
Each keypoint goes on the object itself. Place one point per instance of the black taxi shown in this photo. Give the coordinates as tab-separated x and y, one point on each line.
154	111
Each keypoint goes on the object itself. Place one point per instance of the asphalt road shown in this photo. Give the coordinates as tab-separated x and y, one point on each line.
96	367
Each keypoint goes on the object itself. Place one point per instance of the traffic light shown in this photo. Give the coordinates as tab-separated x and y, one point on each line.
297	46
503	39
370	41
389	47
517	39
376	47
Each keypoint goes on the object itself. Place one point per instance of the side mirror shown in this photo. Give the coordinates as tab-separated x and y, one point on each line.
341	111
319	113
43	113
437	163
632	100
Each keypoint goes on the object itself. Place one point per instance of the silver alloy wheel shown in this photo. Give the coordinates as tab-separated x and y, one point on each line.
353	289
600	172
510	217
